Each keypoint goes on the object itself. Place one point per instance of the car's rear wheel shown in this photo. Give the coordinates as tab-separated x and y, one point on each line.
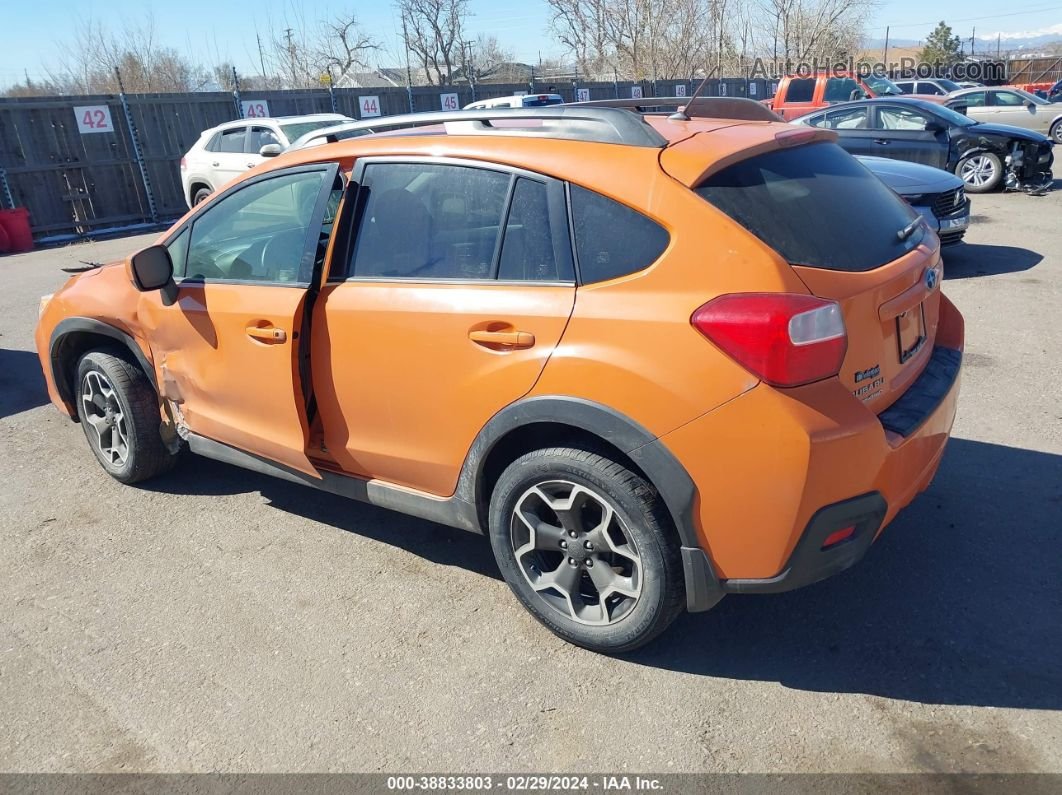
981	172
1056	132
586	546
201	196
119	413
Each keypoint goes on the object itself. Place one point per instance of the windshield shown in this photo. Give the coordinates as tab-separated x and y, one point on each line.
299	129
1031	97
882	86
953	117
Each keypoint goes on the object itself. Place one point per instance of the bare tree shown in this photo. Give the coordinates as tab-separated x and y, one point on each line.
87	65
433	30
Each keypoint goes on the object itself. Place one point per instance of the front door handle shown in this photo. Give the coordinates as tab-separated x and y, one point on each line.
882	141
216	163
508	340
269	334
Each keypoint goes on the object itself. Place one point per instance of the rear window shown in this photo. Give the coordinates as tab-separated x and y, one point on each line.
540	100
815	205
800	90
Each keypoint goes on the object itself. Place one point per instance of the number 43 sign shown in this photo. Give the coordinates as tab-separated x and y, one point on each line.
93	119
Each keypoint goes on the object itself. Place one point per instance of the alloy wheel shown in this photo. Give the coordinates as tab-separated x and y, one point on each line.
103	413
576	552
978	170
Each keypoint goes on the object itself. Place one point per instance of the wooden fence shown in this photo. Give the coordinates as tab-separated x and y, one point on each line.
90	164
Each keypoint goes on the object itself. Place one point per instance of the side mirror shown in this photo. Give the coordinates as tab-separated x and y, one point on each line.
934	127
152	269
271	150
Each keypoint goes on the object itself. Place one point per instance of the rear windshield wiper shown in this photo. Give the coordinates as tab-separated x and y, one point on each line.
909	230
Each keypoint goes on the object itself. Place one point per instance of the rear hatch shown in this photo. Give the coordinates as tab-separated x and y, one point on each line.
852	240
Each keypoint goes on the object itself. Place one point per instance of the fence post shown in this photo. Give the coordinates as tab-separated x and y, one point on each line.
135	138
615	81
236	94
331	91
5	188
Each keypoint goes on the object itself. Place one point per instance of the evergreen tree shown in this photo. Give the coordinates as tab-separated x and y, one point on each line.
941	47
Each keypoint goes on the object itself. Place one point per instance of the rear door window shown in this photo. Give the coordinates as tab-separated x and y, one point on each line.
816	206
233	140
842	89
424	221
611	239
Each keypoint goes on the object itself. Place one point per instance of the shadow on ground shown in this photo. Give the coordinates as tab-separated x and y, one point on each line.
968	260
21	382
960	602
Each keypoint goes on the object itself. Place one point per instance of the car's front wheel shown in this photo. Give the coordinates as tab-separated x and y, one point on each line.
982	172
119	413
587	547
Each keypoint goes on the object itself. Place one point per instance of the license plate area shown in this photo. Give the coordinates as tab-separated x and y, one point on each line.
911	332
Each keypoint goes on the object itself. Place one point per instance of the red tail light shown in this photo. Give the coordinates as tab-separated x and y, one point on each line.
784	338
184	165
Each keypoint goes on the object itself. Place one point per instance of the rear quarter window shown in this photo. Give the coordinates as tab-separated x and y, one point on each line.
815	205
611	239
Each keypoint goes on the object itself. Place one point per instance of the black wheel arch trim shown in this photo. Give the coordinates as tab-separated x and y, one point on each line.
672	481
87	325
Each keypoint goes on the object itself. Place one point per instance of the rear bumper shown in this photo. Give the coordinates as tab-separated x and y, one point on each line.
788	468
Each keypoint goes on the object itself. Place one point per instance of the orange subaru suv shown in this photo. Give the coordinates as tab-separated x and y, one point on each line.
655	358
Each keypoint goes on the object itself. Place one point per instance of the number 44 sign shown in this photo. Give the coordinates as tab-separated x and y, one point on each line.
93	119
370	106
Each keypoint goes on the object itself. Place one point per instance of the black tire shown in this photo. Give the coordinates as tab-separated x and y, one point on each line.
643	523
201	196
135	402
990	183
1056	132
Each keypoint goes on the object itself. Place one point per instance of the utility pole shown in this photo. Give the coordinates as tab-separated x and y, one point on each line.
998	37
973	32
885	53
409	72
291	54
261	57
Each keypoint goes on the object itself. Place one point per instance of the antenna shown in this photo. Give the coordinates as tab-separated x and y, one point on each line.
680	114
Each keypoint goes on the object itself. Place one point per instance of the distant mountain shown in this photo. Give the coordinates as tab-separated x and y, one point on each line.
1028	40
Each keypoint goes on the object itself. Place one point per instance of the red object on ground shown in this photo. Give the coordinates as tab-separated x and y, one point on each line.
17	226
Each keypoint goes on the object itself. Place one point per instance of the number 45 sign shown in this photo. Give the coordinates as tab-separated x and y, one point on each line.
93	119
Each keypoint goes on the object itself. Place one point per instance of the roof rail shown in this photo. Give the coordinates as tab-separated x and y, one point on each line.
701	107
567	122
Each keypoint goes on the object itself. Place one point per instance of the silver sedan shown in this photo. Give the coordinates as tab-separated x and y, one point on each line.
1008	105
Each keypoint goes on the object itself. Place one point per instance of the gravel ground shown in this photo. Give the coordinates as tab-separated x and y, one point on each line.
218	620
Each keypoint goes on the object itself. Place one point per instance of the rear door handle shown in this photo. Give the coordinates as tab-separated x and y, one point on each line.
507	339
215	164
269	334
882	141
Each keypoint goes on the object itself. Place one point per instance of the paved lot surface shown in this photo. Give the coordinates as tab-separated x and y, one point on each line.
217	620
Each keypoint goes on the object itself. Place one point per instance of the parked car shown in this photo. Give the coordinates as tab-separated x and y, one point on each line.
932	86
798	95
1011	106
968	83
938	196
469	326
517	101
985	156
225	151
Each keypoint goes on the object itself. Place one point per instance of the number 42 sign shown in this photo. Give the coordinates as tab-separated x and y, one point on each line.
93	119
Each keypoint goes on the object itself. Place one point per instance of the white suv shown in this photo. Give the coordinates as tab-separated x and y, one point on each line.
231	148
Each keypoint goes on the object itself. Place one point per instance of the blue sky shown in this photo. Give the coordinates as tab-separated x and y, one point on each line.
215	30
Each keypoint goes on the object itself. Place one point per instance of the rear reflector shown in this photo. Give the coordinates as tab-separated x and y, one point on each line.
184	164
833	539
786	339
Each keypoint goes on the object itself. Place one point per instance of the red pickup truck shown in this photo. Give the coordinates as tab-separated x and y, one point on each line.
797	95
